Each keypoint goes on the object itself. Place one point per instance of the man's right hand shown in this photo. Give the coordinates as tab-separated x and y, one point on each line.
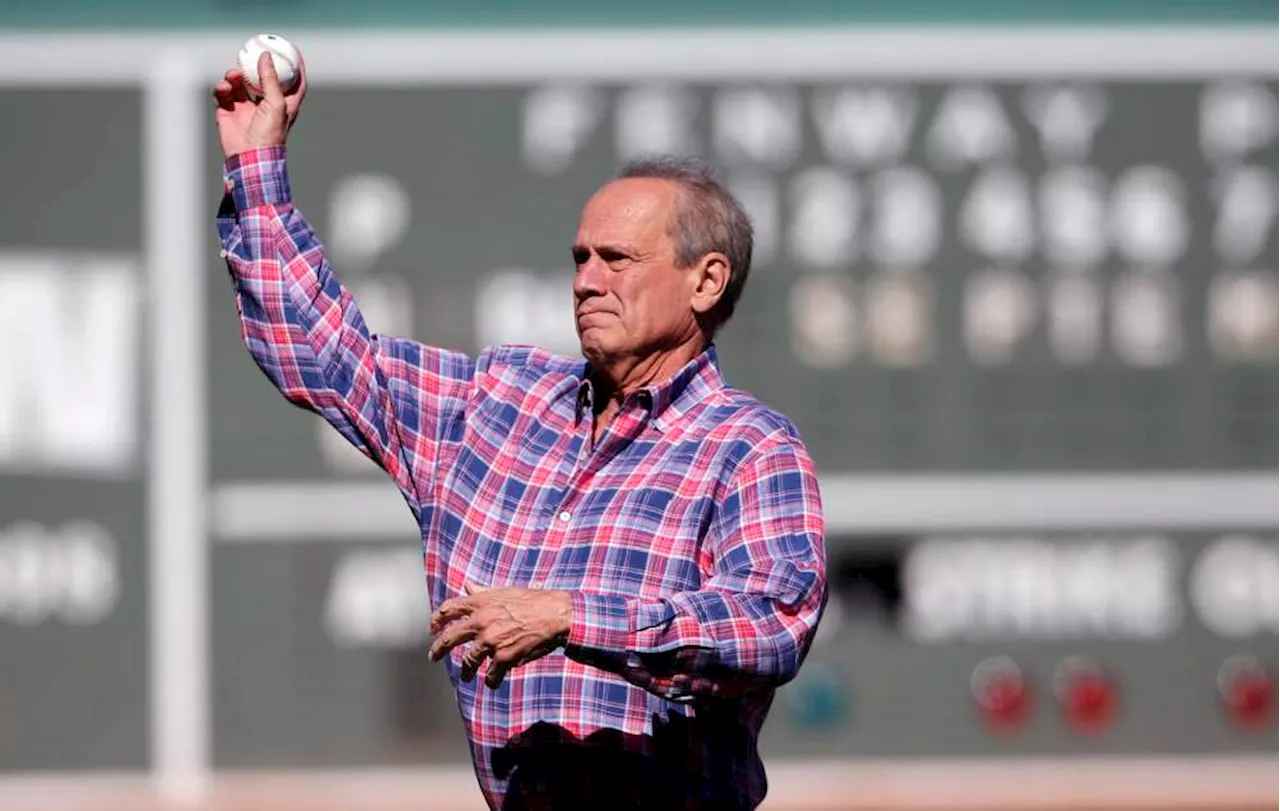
244	124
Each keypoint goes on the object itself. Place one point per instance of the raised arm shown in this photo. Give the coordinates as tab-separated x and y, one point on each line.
392	398
750	625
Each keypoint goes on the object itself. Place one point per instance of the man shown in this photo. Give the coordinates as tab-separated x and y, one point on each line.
628	551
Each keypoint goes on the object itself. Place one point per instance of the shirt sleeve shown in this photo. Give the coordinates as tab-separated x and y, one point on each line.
749	625
392	398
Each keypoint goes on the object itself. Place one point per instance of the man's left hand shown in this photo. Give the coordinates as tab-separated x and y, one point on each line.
509	626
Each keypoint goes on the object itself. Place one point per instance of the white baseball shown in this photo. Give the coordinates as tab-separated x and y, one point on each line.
283	54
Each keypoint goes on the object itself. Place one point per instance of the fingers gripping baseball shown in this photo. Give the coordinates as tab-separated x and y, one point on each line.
249	120
273	116
272	93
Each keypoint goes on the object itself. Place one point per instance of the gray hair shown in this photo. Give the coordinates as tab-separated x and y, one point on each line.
707	219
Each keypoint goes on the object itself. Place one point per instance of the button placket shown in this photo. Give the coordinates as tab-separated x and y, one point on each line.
553	540
549	539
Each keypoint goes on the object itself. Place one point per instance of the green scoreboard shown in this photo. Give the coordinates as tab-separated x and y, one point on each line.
1017	287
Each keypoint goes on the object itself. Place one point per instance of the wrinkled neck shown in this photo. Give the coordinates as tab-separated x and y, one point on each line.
616	380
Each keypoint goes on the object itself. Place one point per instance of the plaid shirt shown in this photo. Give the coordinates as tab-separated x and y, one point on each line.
690	536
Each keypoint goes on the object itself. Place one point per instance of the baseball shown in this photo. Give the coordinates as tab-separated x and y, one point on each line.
283	54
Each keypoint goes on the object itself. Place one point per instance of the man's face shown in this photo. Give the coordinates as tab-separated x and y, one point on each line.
630	299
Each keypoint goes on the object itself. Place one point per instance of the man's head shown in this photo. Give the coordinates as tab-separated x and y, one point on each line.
662	254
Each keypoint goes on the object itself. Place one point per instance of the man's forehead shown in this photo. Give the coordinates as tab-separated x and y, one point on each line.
637	200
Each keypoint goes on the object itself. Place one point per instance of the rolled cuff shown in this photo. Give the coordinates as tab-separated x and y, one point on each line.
258	177
615	624
601	622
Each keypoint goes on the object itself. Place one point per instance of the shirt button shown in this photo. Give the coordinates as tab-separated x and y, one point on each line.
565	516
222	254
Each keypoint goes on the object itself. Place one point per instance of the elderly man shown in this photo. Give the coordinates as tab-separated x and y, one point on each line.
628	551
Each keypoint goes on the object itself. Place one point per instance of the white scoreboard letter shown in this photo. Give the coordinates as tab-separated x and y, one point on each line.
1236	118
1234	586
900	318
1075	318
996	218
999	311
1243	316
377	598
757	126
1073	216
655	120
824	320
514	305
69	371
1067	118
824	227
970	127
368	215
556	122
907	218
1149	217
1145	326
1246	199
859	126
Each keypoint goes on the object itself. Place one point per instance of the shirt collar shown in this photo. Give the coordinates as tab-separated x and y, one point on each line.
668	400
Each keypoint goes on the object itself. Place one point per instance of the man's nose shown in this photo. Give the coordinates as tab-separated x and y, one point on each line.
590	278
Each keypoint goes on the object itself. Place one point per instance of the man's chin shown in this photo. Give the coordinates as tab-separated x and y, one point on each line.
593	353
594	350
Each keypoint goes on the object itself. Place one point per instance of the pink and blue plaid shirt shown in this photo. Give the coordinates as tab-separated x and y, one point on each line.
690	536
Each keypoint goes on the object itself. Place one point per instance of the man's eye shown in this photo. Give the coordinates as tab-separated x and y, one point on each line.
580	257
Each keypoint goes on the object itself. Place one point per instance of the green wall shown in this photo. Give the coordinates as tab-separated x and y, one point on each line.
563	13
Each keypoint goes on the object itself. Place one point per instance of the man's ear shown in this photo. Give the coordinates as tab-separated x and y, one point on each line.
711	280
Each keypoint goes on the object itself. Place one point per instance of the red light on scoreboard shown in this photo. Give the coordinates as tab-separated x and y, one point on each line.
1247	692
1001	693
1087	696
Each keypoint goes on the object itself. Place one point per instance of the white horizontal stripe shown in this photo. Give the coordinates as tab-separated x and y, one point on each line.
1104	502
522	56
374	511
887	784
1025	784
307	511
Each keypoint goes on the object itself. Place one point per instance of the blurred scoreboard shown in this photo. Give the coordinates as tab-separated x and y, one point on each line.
1030	276
1023	312
73	491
